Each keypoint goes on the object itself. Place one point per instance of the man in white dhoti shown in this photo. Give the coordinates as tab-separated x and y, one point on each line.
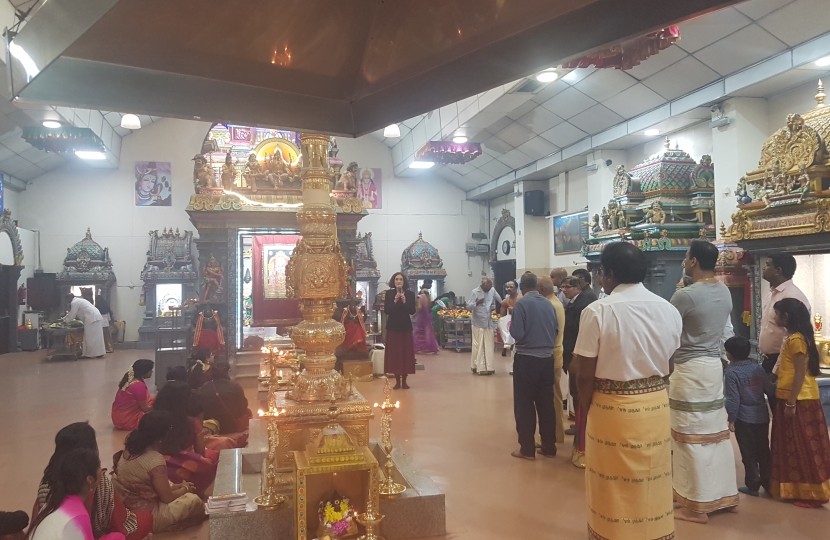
482	303
703	462
83	310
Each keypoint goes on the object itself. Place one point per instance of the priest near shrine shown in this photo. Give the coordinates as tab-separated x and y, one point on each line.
86	312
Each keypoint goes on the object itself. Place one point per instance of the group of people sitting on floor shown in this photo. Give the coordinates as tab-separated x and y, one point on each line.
160	480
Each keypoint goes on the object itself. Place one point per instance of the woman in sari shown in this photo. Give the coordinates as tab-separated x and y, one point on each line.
184	450
141	475
64	516
424	333
800	447
103	504
132	400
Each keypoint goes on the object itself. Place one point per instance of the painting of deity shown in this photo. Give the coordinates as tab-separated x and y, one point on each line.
274	260
153	183
369	188
568	232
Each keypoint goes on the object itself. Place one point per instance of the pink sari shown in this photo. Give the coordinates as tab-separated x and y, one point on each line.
423	335
126	411
70	520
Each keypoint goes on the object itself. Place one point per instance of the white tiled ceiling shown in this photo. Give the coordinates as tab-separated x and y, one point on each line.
741	49
517	129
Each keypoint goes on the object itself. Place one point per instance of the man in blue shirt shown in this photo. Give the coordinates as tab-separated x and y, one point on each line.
534	327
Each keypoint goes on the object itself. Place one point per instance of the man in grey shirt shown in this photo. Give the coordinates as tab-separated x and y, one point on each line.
534	327
703	463
482	303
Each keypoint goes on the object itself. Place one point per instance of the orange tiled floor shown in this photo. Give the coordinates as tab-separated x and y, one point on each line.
459	428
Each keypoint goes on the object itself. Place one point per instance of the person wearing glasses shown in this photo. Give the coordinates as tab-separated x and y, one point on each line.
624	351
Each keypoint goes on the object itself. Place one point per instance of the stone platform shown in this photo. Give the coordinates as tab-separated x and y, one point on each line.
418	512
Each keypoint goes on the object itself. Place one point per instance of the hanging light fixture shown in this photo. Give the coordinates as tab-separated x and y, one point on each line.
130	121
392	132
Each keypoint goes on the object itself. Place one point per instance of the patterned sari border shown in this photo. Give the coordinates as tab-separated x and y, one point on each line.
654	383
695	438
706	507
801	491
594	535
697	406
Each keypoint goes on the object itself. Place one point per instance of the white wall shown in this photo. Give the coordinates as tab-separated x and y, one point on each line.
63	203
425	204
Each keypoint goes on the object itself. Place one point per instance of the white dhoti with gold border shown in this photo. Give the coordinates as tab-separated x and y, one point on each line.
703	462
481	358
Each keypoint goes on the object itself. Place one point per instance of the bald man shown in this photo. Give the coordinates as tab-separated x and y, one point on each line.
557	276
482	303
545	288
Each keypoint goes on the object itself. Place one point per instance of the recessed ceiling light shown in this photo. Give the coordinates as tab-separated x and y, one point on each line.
548	75
823	62
51	124
459	139
392	132
90	155
651	132
421	165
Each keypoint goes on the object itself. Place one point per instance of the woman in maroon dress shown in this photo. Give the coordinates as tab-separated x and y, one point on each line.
399	303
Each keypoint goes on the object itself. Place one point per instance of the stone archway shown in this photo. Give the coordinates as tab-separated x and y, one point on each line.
504	222
9	227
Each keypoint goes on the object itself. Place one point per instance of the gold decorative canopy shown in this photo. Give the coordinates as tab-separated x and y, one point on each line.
789	193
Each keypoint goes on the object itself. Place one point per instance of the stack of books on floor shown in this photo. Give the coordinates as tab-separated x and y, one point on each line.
235	502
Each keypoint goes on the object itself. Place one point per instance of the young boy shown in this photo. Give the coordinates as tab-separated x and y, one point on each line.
745	384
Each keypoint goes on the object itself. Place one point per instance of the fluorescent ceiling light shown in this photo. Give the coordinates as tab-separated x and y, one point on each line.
570	76
25	60
459	139
548	75
90	155
130	121
392	132
651	132
823	62
421	165
51	124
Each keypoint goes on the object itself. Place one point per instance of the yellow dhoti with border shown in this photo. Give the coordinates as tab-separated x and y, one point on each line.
628	480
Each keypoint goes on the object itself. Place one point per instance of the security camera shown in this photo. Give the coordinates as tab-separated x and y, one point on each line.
608	162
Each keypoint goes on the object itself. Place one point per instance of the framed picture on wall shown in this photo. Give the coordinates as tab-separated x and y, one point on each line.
153	183
370	188
568	232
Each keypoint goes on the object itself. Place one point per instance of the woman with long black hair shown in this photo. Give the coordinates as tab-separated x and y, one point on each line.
64	516
141	474
399	304
800	447
133	399
104	505
184	446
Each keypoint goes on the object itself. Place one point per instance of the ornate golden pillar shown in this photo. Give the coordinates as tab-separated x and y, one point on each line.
316	274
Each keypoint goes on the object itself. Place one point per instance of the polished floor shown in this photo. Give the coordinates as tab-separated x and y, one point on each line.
458	427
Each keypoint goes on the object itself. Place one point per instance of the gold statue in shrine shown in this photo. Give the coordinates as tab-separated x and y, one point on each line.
278	172
228	172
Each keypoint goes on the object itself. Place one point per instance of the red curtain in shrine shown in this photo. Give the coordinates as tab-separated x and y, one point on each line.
271	311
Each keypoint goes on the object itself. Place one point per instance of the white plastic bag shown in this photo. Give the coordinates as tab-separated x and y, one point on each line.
504	329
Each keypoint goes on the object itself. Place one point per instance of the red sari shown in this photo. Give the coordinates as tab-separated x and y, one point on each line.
126	411
355	331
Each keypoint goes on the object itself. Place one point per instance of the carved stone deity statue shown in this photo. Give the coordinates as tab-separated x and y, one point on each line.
656	214
278	171
252	171
212	278
616	216
348	180
228	172
595	227
203	175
